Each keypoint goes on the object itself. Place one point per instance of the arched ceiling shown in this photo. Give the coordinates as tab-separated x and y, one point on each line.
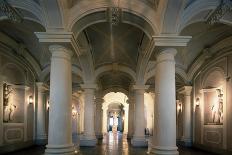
203	36
120	44
115	80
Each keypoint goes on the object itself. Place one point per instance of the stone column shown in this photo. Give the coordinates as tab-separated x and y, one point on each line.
60	108
1	110
126	121
131	118
41	135
98	117
186	139
105	119
89	138
138	139
164	139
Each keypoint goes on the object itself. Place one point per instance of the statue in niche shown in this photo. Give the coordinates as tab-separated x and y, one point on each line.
217	108
9	108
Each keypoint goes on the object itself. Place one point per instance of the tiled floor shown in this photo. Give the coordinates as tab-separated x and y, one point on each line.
112	144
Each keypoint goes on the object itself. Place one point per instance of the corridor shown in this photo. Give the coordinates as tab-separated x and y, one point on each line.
112	144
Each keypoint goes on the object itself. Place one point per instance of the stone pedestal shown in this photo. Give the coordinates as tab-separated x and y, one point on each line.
187	138
164	140
60	109
138	139
89	138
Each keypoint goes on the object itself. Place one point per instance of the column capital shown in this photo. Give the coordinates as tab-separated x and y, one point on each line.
41	86
89	86
140	87
60	51
186	90
166	54
99	100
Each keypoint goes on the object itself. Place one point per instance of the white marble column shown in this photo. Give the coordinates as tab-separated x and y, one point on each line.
89	138
186	139
138	139
164	139
60	108
41	135
131	118
104	122
126	121
98	117
1	109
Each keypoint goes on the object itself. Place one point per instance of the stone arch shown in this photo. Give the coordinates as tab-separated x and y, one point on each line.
196	12
95	12
107	68
214	77
13	73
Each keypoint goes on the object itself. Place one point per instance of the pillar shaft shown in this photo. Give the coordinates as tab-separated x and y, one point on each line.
89	138
165	114
98	117
139	125
60	111
187	116
131	118
41	135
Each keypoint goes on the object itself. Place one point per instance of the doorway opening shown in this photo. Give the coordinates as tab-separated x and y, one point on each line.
115	113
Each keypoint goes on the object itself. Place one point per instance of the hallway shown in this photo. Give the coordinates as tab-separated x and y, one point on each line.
112	144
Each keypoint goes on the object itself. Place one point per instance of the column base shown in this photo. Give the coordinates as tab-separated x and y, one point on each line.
186	142
139	142
41	140
88	141
99	135
60	150
161	150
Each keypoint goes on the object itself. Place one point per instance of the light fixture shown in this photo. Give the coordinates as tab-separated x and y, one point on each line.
30	100
179	106
48	104
197	101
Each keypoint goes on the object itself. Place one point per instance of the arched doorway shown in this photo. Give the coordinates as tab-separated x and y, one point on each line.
115	113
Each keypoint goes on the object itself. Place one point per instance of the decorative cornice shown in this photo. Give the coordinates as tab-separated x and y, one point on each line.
224	7
12	13
169	40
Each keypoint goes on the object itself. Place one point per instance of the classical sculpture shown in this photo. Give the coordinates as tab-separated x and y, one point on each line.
217	108
9	108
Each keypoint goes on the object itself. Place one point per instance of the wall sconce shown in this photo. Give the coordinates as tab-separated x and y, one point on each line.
197	101
30	100
179	107
74	111
48	104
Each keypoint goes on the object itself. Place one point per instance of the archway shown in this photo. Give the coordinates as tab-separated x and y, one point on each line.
115	112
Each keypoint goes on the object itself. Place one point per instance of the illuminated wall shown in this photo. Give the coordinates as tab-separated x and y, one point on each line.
212	121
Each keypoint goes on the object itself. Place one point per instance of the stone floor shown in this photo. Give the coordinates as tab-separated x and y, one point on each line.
112	144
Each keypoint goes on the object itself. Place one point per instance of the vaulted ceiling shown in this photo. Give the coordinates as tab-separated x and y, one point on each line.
120	45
